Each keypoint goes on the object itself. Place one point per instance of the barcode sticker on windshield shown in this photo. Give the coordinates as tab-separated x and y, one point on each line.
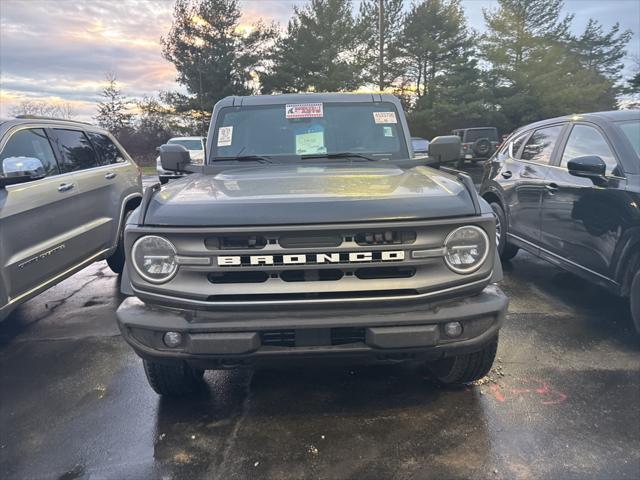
225	135
304	110
385	117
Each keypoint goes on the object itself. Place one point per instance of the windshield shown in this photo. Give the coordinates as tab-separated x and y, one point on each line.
188	144
632	132
473	135
289	132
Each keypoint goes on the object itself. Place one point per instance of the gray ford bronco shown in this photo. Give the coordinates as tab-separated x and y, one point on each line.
310	232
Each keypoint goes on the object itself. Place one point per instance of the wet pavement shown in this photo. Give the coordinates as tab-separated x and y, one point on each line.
563	400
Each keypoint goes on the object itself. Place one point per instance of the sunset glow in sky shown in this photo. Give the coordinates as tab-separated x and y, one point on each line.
59	51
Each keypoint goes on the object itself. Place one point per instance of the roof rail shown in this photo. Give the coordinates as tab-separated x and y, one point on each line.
42	117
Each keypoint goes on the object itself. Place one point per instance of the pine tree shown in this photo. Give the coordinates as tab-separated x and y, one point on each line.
113	112
518	28
213	57
436	44
600	52
319	52
537	69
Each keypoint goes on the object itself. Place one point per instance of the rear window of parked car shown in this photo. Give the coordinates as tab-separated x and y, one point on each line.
107	150
31	143
76	149
632	132
541	144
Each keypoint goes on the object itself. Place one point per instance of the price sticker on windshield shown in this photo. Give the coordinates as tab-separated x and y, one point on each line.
225	136
304	110
385	117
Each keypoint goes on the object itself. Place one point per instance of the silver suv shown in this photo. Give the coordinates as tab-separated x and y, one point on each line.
66	189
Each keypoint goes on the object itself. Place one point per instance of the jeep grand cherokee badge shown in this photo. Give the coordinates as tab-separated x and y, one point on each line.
311	232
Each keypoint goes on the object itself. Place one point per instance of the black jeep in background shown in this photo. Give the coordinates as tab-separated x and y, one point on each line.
477	143
568	190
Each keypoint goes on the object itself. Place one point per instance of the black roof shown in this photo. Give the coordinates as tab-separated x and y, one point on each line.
612	115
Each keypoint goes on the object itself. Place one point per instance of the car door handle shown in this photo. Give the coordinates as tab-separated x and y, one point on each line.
507	174
110	176
65	187
551	188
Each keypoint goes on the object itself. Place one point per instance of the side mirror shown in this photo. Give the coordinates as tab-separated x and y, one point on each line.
174	158
587	166
21	169
445	148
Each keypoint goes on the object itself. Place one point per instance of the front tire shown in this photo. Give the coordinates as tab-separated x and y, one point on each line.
466	368
635	301
505	249
173	380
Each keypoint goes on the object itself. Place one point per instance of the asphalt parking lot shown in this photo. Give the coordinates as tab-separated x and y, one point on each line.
563	400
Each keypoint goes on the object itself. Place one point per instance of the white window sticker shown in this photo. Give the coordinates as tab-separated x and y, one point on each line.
385	117
304	110
225	136
310	143
388	131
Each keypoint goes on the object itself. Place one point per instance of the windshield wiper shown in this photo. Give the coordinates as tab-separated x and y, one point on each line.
246	158
339	155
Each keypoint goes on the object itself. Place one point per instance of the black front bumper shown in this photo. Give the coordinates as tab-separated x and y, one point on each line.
394	331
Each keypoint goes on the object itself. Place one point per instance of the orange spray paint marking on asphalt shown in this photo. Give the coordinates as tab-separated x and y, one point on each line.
542	391
495	389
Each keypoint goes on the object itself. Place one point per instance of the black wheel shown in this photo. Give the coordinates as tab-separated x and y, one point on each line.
117	258
635	301
505	249
173	380
466	368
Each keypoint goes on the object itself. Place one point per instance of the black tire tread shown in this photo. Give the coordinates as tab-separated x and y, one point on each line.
506	250
117	259
634	298
469	367
173	380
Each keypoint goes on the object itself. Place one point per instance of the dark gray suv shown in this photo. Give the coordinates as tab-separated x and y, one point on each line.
66	189
311	233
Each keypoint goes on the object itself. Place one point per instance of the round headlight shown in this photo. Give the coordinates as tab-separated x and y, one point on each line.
154	258
466	249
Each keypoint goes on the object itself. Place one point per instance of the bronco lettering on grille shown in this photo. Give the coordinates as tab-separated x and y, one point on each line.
311	258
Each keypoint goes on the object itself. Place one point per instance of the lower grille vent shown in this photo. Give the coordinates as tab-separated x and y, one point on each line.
385	272
311	275
279	338
238	277
343	336
320	337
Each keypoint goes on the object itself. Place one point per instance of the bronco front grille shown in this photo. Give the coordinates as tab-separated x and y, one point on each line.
307	263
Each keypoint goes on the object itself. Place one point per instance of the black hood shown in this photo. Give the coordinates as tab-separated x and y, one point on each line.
298	194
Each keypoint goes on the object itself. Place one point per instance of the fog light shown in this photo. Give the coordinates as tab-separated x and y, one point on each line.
172	339
453	329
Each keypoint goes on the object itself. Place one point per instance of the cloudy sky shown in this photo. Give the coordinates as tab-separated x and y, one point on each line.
59	51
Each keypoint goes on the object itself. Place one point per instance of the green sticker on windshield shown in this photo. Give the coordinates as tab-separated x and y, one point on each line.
310	143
